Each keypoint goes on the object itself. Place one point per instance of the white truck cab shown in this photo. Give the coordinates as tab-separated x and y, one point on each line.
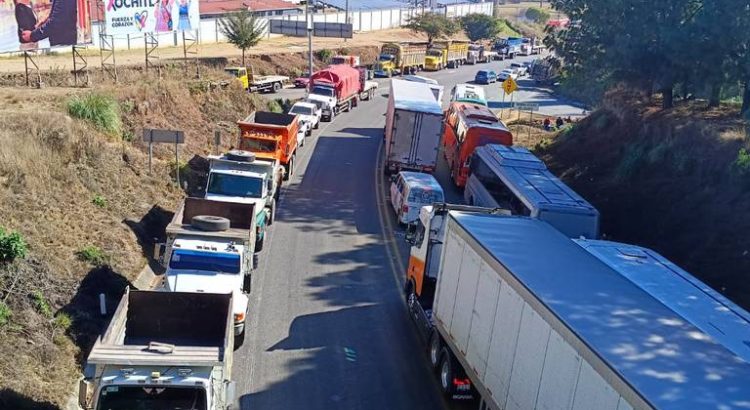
309	115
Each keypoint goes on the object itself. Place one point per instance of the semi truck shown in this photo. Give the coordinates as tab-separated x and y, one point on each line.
519	316
338	88
400	58
240	177
210	248
163	351
271	135
508	47
257	83
446	54
413	127
478	53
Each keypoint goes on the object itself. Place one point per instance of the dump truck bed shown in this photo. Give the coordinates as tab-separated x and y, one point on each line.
241	218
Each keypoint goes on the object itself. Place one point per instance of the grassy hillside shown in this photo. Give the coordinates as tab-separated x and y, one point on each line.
675	180
75	186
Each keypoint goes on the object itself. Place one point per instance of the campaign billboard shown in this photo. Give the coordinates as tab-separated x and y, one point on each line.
150	16
27	25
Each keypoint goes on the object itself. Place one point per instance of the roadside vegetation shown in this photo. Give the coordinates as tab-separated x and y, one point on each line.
242	29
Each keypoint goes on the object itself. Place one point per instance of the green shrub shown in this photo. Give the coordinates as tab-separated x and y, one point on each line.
99	201
344	51
632	161
41	304
63	321
537	15
100	110
5	314
324	54
274	106
12	246
93	255
742	162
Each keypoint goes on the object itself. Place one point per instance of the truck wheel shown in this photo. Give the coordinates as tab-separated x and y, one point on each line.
261	243
435	349
239	340
276	87
210	223
447	372
289	169
272	216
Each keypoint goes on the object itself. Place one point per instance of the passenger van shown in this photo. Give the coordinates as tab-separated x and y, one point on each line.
410	191
468	93
513	178
468	126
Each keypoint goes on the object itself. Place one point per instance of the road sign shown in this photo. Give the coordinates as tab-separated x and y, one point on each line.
163	136
299	29
510	85
526	106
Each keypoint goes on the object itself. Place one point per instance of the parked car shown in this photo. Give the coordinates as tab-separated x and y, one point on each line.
505	74
519	69
309	115
303	80
485	77
410	191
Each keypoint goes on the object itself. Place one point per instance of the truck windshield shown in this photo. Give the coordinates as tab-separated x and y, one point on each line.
324	91
385	57
152	398
233	71
235	185
435	53
205	261
257	145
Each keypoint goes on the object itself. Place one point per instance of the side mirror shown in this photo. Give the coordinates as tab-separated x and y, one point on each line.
83	393
411	234
230	389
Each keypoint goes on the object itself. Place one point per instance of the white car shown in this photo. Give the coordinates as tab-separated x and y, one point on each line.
503	75
309	115
519	69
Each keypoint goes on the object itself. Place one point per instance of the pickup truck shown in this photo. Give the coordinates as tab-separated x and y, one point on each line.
255	83
163	351
210	249
240	177
339	88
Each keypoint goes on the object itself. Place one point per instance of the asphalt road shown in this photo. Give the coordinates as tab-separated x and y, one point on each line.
327	327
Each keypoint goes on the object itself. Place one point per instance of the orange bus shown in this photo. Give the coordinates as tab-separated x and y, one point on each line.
468	126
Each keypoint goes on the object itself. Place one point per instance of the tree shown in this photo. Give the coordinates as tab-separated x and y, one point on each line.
243	30
433	25
480	26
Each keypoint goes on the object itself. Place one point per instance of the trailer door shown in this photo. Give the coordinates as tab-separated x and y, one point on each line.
404	129
427	142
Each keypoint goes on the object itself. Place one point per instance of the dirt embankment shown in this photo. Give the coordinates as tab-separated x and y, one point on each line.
673	180
84	201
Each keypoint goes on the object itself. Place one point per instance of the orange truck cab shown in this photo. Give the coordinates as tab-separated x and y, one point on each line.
468	126
271	135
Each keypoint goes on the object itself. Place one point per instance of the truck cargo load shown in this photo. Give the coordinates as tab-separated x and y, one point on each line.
337	88
524	317
163	351
413	127
271	135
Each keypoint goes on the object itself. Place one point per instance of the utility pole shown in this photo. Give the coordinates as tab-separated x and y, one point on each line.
308	20
346	15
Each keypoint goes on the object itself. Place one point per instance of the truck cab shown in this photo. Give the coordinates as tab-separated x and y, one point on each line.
326	95
239	73
386	65
435	59
240	177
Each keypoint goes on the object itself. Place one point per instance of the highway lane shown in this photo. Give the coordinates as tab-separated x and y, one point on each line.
327	327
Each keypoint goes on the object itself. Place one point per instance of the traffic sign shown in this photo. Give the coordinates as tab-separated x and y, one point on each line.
510	85
526	106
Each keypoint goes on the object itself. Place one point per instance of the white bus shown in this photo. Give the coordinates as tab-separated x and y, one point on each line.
513	178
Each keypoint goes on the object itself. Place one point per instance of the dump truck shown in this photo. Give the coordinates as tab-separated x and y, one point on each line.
271	135
400	58
446	54
520	316
241	177
163	351
210	248
478	54
413	127
257	83
338	88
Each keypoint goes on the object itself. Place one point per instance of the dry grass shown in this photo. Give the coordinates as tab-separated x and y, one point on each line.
51	167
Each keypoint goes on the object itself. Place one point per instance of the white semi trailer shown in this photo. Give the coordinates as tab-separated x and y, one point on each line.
522	317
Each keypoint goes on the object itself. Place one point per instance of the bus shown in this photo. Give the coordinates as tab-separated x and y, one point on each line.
468	93
512	178
468	126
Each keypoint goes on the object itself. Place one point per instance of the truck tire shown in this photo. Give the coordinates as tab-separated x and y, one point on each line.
239	340
210	223
239	155
272	213
447	372
434	349
259	244
276	87
289	169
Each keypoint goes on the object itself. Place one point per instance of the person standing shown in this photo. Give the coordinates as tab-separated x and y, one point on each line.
60	26
559	122
184	22
26	20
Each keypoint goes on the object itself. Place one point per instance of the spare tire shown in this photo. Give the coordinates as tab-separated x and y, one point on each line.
210	223
238	155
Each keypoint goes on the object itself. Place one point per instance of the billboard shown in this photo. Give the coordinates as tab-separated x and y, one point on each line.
150	16
27	25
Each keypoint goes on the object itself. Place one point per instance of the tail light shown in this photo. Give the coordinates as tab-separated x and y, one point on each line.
239	317
462	382
404	208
